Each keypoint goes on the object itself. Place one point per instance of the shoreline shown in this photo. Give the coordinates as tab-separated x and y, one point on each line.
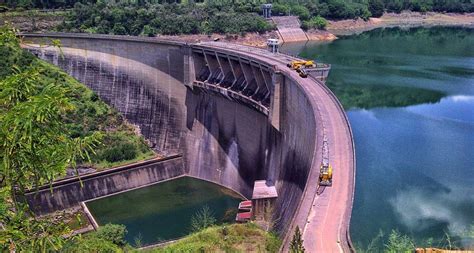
405	19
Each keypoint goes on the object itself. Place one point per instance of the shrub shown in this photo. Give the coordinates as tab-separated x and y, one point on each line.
126	151
361	10
280	9
273	243
300	11
148	31
119	30
91	244
317	22
296	244
112	233
94	97
376	8
399	243
203	218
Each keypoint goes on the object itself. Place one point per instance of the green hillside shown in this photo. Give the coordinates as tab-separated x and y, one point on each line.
119	143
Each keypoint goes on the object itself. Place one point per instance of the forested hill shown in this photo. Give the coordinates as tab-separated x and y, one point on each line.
149	17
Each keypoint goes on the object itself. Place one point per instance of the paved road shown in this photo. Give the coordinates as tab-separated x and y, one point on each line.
324	218
329	216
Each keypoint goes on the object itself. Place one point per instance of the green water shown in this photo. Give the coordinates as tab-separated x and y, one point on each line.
163	211
409	95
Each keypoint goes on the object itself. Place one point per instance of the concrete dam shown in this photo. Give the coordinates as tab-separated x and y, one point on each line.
236	114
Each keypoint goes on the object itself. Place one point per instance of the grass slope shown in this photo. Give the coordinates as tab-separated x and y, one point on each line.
227	238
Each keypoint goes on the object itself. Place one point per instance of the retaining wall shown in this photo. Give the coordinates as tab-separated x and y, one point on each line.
70	192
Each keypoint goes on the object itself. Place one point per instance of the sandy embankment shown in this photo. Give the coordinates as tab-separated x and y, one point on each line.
249	39
404	19
347	27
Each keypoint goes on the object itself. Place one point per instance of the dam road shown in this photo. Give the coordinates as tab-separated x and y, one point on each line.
237	114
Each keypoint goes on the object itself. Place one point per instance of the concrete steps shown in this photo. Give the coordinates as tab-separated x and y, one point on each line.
289	28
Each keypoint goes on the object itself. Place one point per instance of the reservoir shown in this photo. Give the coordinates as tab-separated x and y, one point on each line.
163	211
409	95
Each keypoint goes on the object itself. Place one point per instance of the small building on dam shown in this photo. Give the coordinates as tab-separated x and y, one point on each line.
225	113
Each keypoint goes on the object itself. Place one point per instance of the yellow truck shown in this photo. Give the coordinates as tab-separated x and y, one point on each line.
325	171
298	64
300	67
325	175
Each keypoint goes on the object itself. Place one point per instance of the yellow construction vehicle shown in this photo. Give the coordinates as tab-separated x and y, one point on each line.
302	72
300	66
325	172
325	175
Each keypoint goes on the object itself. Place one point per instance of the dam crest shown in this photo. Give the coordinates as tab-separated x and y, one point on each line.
236	114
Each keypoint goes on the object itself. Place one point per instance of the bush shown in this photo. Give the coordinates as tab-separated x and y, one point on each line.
361	10
123	152
204	218
109	238
148	31
112	233
300	11
376	8
91	244
296	244
280	9
119	30
317	22
399	243
394	6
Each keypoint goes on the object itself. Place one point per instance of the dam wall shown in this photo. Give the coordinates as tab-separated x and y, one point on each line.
265	128
71	191
143	81
299	131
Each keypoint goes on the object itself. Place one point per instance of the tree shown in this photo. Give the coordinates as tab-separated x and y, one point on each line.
398	243
91	244
107	239
23	233
34	150
280	9
203	218
148	31
317	22
296	244
112	233
300	11
33	139
376	8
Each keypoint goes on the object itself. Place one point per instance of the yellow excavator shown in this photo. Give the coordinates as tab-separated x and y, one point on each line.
300	67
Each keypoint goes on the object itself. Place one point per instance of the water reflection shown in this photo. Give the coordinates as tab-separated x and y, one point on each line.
450	108
395	67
